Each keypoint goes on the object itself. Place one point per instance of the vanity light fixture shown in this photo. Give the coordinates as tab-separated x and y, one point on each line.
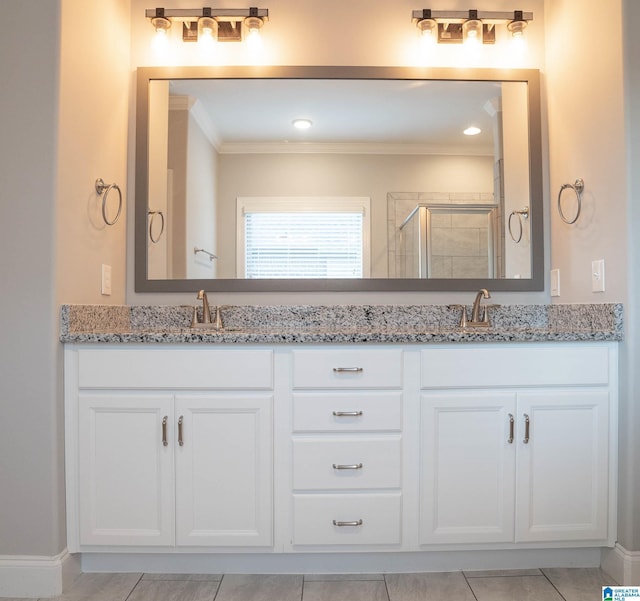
426	25
160	23
458	26
207	25
221	24
253	25
472	28
518	25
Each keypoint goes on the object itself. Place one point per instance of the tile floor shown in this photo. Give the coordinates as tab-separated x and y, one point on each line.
558	584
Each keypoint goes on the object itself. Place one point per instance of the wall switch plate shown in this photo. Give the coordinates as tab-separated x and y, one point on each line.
597	275
555	282
106	280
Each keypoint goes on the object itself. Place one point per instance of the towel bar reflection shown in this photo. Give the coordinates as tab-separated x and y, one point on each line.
103	190
197	250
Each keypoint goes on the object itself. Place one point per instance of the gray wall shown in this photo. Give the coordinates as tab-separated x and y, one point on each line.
63	124
629	485
31	441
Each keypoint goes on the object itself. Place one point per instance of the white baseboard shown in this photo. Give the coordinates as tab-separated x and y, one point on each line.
339	563
34	576
622	565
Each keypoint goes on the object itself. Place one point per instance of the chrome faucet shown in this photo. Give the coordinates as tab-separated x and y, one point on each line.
475	312
476	320
206	312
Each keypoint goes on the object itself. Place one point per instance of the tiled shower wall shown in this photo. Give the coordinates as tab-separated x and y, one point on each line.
403	258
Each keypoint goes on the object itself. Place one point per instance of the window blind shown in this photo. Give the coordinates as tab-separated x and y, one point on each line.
303	244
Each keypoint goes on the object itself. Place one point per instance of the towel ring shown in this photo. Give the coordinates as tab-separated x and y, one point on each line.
520	214
103	190
153	215
577	187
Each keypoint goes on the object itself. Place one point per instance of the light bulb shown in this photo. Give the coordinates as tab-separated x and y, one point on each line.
161	25
427	27
302	123
207	28
253	25
517	28
472	31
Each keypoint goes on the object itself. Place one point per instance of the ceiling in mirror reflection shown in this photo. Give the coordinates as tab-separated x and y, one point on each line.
365	116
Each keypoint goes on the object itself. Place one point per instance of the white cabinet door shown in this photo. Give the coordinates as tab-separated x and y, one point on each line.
467	477
125	470
224	470
562	474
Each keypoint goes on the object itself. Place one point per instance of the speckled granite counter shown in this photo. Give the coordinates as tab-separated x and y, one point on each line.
341	324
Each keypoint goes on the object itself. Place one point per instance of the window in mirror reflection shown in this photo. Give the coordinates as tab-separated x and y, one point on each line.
303	238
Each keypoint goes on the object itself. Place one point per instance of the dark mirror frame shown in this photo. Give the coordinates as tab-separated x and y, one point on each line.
530	76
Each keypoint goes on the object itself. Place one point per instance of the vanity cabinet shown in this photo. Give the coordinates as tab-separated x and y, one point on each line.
154	463
347	447
515	447
379	448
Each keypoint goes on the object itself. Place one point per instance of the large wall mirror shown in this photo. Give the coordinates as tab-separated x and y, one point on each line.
382	190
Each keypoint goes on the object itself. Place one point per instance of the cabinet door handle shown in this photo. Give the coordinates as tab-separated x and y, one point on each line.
526	429
348	466
341	524
164	430
180	441
511	426
347	413
352	370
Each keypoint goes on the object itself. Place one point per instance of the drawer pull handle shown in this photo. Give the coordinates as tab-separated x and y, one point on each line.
351	370
164	430
180	431
347	413
348	466
526	429
511	426
341	524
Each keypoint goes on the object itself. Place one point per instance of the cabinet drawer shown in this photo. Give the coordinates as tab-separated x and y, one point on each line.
347	368
507	365
377	518
352	411
175	368
359	463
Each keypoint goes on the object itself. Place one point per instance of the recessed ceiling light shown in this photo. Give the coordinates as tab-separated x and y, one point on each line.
302	123
472	131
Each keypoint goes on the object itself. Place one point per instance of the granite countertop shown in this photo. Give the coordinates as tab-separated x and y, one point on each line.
391	324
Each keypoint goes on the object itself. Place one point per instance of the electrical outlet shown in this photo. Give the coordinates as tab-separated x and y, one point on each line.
597	275
555	282
106	280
